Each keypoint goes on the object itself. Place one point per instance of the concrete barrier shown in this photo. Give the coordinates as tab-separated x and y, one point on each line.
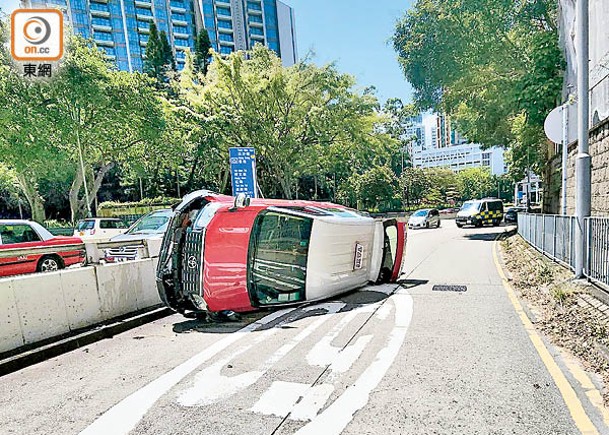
37	307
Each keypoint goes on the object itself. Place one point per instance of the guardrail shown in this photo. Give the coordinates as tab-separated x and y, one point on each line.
554	236
597	264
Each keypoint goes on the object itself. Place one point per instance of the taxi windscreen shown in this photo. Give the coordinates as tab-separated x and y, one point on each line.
278	253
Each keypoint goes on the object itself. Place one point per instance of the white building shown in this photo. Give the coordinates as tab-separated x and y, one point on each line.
459	157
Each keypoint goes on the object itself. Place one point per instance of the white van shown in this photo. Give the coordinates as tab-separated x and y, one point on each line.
99	229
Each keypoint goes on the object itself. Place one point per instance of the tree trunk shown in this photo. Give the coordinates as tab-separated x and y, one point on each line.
34	199
73	196
79	206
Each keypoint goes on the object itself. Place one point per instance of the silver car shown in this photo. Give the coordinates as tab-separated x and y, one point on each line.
425	218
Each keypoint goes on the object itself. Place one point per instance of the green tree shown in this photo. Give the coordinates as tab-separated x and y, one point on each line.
168	59
159	59
414	185
102	116
302	120
202	52
491	64
476	183
377	188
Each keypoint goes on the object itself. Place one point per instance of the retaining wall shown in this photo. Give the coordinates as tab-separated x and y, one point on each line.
41	306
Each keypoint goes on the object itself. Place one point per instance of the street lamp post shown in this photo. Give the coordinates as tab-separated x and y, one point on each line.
582	164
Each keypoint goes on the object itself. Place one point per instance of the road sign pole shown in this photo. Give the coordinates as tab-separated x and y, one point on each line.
565	156
582	165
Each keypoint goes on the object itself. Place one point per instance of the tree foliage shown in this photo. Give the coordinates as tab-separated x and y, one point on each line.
490	64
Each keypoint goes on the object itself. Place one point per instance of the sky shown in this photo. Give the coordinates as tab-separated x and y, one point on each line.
353	33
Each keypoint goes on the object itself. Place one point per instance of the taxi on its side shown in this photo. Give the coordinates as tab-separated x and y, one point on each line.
223	253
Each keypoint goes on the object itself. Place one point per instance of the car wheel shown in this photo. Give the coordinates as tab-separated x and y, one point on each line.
438	226
49	263
478	224
459	225
427	225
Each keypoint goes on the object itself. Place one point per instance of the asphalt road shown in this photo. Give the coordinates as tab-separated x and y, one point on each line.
391	359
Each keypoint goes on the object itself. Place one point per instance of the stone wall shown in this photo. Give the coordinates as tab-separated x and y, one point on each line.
599	151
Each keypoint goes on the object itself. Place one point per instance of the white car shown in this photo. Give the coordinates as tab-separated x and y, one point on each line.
149	227
425	218
99	229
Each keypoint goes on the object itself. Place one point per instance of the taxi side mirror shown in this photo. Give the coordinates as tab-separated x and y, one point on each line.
241	201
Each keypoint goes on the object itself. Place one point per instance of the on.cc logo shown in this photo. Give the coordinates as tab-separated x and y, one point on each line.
36	30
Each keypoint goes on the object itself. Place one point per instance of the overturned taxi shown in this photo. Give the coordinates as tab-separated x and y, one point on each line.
221	253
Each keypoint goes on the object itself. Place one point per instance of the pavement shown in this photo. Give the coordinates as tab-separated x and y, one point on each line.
408	359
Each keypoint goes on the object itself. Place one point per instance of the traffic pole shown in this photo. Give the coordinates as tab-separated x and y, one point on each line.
583	196
565	157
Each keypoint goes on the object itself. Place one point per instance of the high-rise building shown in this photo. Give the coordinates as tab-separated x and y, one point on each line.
240	24
121	27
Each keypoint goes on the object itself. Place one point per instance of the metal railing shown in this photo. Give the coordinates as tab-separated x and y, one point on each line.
554	236
597	239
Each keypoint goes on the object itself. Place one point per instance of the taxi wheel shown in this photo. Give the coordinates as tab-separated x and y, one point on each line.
478	224
427	225
49	263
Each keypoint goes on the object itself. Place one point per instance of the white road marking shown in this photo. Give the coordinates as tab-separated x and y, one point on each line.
211	386
126	414
312	401
279	398
335	418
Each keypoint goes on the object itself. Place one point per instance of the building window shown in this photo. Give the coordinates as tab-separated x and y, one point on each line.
226	50
224	12
254	6
142	11
255	19
256	31
225	24
178	17
177	4
101	21
99	7
103	36
227	37
181	42
143	24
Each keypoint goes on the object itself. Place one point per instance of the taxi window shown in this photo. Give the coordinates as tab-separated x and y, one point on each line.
17	234
278	255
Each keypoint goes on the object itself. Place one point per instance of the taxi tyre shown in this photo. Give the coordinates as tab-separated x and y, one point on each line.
427	225
49	263
459	225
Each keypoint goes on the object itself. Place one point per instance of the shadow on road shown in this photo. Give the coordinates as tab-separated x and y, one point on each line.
351	301
412	283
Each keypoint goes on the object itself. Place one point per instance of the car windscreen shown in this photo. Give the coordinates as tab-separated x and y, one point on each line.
85	225
420	213
155	223
278	254
471	206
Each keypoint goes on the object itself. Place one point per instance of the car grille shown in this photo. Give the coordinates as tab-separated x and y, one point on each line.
123	253
191	263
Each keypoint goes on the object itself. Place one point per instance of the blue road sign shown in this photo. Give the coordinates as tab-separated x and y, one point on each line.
243	171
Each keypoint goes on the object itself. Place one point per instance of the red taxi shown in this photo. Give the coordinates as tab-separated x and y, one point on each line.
27	234
223	253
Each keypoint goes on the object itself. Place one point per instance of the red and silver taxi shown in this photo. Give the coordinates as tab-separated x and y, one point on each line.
27	234
224	253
